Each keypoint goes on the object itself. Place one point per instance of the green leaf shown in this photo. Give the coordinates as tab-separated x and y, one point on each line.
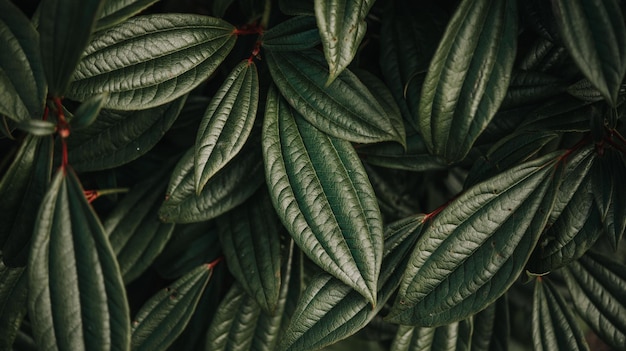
296	7
543	55
136	234
77	299
22	82
298	33
345	109
342	28
595	35
150	60
87	112
65	30
230	187
37	127
117	11
162	318
554	325
468	77
476	247
13	297
116	138
220	7
597	285
329	310
456	336
250	238
391	155
492	328
305	169
527	87
609	192
23	186
227	123
560	114
585	91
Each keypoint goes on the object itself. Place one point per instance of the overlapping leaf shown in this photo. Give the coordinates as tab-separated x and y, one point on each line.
13	297
476	247
23	85
305	170
150	60
456	336
610	193
294	34
162	318
392	155
345	109
528	87
468	76
87	112
117	11
561	114
492	328
595	35
76	297
227	123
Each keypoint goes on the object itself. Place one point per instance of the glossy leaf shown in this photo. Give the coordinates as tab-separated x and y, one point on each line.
87	112
65	30
564	114
452	337
116	138
342	27
13	297
298	33
595	35
468	76
73	276
492	328
164	316
22	82
23	186
476	247
227	123
554	324
329	310
150	60
305	168
135	232
230	187
345	109
250	238
117	11
527	87
597	286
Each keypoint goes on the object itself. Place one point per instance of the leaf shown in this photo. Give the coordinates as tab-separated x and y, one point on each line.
345	109
37	127
455	336
527	87
543	55
492	328
164	316
609	192
585	91
220	7
298	33
595	35
87	112
135	232
23	86
23	186
117	11
230	187
468	76
391	155
227	123
342	28
296	7
65	30
150	60
116	138
250	238
13	297
597	284
476	247
554	325
305	169
329	310
73	276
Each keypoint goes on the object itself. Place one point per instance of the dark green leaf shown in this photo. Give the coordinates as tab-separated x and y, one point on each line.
150	60
116	138
227	123
22	82
392	155
329	310
305	169
561	114
294	34
554	325
220	7
597	285
476	247
468	76
492	327
117	11
297	7
452	337
543	56
609	190
345	109
23	186
250	238
162	318
585	91
65	29
527	87
230	187
13	297
87	112
73	276
136	234
37	127
595	35
342	27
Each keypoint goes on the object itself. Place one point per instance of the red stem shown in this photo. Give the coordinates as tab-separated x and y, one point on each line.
214	263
